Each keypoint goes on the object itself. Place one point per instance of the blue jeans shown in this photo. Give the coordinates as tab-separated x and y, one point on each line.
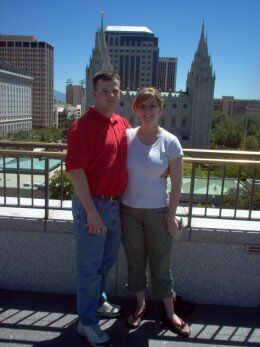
95	255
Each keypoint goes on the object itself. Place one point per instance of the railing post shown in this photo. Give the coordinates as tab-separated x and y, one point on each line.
46	202
251	201
191	198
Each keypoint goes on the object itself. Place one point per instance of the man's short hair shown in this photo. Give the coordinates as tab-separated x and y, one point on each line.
105	75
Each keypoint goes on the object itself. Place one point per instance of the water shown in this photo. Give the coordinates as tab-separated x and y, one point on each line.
28	165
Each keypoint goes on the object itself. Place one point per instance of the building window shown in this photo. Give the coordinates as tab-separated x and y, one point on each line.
184	105
174	105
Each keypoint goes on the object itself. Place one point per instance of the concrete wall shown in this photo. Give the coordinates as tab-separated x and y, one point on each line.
211	268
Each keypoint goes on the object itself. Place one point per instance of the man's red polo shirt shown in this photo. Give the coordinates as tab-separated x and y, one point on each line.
98	145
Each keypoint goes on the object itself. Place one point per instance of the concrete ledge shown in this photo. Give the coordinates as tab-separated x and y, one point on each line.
224	236
210	266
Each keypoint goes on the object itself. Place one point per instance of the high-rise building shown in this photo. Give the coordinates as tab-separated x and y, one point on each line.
74	94
15	100
134	55
69	92
167	70
36	57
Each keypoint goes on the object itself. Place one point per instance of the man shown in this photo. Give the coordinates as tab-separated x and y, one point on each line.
96	160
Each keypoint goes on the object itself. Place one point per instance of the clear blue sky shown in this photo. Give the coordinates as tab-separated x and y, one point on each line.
232	27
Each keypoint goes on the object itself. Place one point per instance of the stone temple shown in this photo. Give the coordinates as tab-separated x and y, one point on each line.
186	114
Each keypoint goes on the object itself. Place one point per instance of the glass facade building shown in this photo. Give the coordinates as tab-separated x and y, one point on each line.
134	54
167	70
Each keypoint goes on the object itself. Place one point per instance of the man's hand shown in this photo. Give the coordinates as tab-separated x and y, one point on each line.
166	173
95	223
81	188
172	225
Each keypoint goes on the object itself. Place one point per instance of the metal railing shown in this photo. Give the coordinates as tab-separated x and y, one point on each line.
199	164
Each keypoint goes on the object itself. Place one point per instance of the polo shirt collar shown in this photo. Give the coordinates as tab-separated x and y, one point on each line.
101	117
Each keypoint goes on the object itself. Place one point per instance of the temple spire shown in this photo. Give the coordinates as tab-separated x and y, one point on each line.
202	48
200	88
99	60
102	21
201	66
203	27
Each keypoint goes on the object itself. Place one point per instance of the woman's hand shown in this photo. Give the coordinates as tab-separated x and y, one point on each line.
172	225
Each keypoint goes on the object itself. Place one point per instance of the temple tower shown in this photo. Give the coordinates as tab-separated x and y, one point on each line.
200	88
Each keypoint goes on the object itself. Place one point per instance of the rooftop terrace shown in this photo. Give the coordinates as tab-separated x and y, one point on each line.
215	264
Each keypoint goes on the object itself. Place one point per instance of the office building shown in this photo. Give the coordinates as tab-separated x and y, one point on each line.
28	54
133	54
167	70
229	105
15	100
74	93
69	92
60	115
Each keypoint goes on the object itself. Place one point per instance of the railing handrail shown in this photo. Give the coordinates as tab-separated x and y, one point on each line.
21	153
216	153
4	143
62	155
210	153
216	161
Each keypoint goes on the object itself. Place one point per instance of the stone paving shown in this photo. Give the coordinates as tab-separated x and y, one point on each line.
46	320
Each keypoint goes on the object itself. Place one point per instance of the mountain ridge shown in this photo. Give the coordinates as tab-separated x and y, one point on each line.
59	96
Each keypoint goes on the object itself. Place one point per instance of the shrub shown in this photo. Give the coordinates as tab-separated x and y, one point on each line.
57	186
243	200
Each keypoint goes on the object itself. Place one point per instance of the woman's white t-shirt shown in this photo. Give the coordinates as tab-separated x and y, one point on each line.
145	165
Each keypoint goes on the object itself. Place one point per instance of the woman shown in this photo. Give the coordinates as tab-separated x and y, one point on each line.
148	221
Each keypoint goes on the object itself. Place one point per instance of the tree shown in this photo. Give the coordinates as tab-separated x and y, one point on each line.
252	129
42	138
219	136
70	120
250	143
57	186
243	200
229	131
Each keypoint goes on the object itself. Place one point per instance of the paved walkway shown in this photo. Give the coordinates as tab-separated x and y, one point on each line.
47	320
